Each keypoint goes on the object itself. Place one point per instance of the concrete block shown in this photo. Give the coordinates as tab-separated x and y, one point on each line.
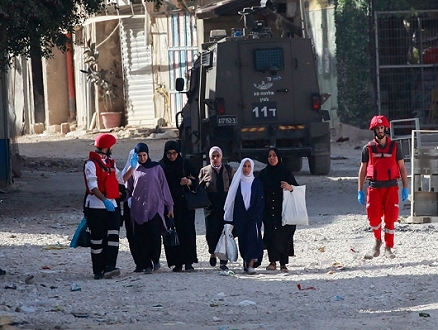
38	128
65	128
54	129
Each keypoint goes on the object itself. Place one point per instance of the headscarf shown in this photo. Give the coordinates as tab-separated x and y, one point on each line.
172	167
239	179
277	173
142	147
219	150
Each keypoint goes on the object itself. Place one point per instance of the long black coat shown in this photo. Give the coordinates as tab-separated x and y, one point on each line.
276	236
184	219
248	223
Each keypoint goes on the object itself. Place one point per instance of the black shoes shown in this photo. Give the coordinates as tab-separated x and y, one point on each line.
213	261
157	266
98	276
223	267
189	268
111	272
148	270
2	272
138	270
177	269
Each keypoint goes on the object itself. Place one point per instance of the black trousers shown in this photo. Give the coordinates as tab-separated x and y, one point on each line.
104	227
147	240
129	227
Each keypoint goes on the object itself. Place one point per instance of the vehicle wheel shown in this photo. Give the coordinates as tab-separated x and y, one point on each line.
319	165
295	164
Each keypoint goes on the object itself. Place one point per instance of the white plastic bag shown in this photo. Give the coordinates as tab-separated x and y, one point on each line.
230	243
226	248
221	247
294	210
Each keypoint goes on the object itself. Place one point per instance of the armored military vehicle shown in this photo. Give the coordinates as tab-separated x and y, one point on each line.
249	91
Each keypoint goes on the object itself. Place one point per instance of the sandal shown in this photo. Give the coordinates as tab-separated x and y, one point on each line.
272	266
284	269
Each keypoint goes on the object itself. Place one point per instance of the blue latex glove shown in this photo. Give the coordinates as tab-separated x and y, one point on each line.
109	205
134	160
361	197
405	194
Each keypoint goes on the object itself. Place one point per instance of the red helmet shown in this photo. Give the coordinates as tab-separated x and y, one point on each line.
105	140
379	121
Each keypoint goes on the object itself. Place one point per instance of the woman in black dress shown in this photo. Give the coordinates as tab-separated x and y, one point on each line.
180	175
278	239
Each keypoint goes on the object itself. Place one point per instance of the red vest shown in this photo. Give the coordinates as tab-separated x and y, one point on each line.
382	163
106	176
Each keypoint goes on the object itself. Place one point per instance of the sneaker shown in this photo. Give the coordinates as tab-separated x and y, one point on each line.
148	270
177	269
189	268
250	271
389	253
375	252
111	271
98	276
157	266
223	267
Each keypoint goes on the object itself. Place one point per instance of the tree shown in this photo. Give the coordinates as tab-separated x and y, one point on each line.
33	27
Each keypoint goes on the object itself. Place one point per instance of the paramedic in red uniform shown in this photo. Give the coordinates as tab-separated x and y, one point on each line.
102	185
382	164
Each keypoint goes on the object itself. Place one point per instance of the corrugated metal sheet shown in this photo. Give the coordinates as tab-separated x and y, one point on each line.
137	68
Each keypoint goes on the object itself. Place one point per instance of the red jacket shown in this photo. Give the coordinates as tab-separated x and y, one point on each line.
382	163
106	176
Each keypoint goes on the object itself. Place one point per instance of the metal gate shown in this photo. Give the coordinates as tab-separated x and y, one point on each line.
407	65
182	51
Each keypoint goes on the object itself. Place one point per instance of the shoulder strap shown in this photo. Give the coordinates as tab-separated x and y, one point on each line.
391	147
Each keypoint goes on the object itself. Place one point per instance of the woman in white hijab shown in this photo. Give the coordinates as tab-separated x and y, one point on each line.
243	209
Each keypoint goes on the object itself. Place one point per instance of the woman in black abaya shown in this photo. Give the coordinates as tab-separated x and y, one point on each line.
180	175
278	239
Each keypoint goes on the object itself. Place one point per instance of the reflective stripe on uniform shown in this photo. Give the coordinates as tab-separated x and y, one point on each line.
96	241
376	227
96	251
389	231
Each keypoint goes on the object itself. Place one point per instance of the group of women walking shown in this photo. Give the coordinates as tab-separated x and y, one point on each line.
237	198
155	199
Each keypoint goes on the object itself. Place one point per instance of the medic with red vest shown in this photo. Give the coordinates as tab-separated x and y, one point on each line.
382	165
102	180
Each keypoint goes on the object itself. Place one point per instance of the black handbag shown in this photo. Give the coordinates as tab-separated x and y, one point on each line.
171	238
196	199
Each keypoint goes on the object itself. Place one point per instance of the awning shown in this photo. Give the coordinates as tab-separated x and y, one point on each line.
225	7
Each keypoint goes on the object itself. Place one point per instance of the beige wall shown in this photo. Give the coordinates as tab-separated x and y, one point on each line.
55	89
108	45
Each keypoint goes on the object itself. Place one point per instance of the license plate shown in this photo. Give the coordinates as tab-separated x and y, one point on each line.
226	120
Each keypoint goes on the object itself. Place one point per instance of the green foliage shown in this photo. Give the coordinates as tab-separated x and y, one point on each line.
103	79
356	99
353	62
34	27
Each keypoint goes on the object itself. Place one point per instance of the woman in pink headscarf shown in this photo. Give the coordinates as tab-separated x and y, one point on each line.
217	178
